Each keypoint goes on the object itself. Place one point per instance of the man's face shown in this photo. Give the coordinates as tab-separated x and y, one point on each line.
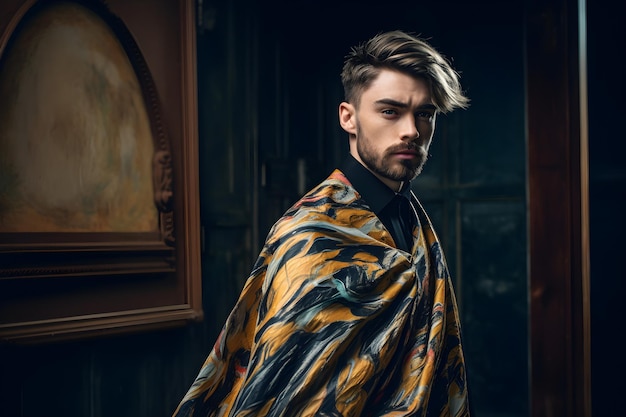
391	131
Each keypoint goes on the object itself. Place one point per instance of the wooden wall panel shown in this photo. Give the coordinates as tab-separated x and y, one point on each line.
559	279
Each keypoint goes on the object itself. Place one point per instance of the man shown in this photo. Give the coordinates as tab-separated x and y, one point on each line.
349	309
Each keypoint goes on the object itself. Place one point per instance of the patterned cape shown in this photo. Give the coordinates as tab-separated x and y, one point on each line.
335	321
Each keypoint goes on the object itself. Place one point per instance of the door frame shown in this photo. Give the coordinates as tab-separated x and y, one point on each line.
560	381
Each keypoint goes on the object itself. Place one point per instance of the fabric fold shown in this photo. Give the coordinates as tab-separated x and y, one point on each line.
327	322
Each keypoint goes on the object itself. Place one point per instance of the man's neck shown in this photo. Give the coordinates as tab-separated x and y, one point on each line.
395	186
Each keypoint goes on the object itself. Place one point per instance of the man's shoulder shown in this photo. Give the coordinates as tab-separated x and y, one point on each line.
335	192
332	205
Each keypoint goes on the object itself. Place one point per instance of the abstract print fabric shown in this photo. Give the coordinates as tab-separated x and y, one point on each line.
334	320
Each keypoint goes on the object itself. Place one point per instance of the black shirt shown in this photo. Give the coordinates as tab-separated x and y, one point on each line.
392	208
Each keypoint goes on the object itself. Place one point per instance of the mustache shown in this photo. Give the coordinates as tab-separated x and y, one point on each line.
410	146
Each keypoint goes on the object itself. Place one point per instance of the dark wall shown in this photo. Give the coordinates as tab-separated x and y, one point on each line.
133	375
607	194
474	187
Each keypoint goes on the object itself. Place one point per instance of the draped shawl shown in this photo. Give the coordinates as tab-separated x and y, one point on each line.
334	320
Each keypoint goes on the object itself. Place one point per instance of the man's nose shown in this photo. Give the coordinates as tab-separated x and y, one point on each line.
409	129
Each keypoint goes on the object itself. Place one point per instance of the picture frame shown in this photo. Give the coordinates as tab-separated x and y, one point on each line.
99	205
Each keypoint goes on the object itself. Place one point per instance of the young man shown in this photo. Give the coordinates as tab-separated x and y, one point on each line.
349	309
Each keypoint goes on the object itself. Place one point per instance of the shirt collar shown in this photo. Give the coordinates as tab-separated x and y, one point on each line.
374	191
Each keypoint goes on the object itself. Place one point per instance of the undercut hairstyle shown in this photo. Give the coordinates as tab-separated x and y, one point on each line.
404	52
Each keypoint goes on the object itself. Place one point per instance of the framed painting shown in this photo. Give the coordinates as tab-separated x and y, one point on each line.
99	217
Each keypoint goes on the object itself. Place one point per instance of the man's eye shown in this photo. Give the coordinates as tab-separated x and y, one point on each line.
424	115
390	112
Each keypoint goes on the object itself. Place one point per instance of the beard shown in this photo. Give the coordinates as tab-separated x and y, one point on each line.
386	164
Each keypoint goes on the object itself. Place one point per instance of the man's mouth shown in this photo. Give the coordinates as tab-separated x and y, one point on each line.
407	153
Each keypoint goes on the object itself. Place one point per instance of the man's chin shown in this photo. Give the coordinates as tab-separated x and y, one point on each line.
409	173
406	175
400	172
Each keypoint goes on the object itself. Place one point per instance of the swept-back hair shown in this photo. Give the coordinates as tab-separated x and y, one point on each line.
398	50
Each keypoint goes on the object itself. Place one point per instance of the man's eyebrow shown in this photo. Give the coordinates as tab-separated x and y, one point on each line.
402	105
428	107
391	102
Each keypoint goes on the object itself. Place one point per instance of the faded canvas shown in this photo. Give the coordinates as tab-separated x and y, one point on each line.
76	146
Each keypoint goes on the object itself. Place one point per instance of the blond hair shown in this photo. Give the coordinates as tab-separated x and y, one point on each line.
409	54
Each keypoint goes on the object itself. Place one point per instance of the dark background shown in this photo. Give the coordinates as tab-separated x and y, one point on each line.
268	87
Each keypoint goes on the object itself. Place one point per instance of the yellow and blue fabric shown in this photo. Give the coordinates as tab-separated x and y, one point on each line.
334	320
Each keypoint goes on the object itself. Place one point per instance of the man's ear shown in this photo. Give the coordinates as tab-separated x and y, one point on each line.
347	117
